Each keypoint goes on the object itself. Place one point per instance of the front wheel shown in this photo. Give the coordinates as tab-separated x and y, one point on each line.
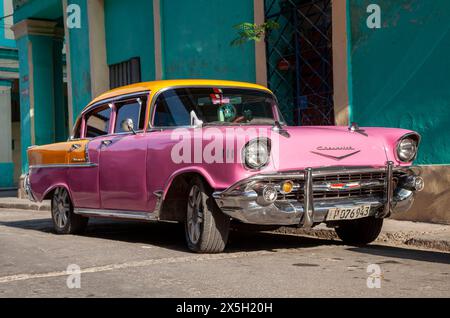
206	227
360	232
65	221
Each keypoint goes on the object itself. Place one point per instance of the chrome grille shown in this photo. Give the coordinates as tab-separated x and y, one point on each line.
374	191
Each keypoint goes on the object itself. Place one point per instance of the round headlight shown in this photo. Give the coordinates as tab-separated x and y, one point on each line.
257	153
407	149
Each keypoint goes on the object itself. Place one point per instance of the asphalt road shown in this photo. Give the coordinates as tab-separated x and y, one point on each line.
128	259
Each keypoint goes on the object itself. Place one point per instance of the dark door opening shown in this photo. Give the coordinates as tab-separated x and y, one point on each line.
299	58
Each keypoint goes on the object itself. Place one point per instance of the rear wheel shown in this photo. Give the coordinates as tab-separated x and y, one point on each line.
360	232
206	227
65	221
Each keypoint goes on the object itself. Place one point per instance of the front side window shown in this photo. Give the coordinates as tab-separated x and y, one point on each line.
134	110
215	106
97	122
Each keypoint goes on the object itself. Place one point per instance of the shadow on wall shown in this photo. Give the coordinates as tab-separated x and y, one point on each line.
433	203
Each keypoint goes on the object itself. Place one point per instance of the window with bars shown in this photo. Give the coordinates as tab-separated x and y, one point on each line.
125	73
299	58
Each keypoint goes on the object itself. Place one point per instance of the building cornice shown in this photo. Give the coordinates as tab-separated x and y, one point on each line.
37	27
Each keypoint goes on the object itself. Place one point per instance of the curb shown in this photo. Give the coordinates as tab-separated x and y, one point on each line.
25	206
412	239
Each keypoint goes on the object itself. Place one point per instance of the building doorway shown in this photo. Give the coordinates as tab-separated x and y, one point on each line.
299	59
15	132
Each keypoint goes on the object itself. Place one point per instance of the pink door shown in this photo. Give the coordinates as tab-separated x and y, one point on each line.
122	164
123	173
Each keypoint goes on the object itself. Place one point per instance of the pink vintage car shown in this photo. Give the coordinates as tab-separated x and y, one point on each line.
214	153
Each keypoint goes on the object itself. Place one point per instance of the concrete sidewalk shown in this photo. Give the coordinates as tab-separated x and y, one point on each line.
23	204
417	234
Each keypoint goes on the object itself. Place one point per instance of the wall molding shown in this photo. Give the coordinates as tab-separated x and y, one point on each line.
68	72
97	47
157	39
340	63
260	47
37	27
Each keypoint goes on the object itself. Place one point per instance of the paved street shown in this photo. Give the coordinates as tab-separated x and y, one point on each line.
127	259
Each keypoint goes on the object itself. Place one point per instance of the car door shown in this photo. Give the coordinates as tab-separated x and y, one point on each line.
122	163
83	181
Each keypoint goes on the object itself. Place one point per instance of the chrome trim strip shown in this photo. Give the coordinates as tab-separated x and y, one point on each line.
334	157
309	199
129	215
74	165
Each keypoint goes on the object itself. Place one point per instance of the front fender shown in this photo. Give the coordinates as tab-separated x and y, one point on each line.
198	170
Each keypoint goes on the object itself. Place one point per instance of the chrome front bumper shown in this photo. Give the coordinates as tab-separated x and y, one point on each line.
242	202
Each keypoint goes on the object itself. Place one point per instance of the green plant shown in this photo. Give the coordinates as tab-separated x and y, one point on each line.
253	32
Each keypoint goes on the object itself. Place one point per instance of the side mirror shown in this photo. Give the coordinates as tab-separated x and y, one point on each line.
128	125
195	122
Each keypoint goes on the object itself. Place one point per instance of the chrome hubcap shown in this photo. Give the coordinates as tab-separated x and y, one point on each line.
61	208
194	214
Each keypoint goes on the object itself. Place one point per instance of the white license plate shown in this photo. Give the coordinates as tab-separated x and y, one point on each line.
353	213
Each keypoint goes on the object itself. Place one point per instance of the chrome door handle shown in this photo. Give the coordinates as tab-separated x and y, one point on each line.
106	143
74	147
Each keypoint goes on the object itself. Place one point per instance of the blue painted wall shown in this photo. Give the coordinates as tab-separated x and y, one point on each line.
81	65
6	175
129	33
400	74
196	39
25	123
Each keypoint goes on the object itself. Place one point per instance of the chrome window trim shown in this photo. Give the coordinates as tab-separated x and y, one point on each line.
115	99
158	93
131	99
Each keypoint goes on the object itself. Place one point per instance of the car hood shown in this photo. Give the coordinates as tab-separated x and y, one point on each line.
334	146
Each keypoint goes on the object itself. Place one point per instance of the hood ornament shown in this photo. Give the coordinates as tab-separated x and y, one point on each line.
354	127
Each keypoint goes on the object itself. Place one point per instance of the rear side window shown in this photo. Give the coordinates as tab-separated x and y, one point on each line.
98	121
134	110
77	130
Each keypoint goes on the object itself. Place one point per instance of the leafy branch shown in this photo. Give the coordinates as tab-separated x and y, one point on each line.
253	32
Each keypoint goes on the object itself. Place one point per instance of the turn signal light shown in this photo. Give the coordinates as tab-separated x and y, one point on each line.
287	187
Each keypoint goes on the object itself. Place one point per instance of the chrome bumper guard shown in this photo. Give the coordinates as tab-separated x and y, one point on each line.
242	202
27	188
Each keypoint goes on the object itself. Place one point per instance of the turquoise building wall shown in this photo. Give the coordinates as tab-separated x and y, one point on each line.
400	74
9	57
128	38
81	64
196	38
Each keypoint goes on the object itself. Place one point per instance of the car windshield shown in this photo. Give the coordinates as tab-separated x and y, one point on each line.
215	106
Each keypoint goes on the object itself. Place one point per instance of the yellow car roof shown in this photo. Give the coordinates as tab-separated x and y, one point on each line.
156	86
